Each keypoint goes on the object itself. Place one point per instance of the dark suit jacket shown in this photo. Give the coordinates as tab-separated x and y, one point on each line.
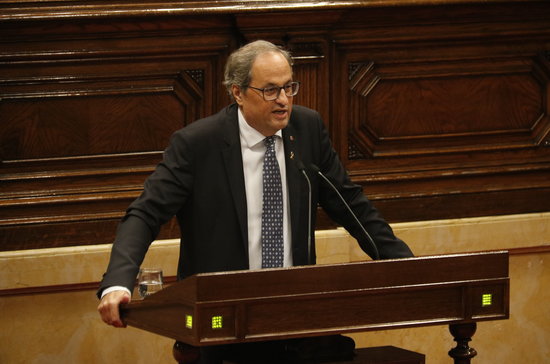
201	181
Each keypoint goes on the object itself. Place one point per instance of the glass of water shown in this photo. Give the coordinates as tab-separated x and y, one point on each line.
149	281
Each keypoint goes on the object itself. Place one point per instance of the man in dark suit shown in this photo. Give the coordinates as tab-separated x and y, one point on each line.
211	179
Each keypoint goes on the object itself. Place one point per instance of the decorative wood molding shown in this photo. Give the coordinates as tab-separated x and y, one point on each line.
52	9
63	288
439	109
90	286
448	107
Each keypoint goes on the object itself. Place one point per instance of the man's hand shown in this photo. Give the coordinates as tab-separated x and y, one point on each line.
109	307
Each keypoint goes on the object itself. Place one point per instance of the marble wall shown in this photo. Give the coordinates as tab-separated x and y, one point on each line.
48	304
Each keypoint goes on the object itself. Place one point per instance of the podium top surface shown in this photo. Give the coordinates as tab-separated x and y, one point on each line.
339	277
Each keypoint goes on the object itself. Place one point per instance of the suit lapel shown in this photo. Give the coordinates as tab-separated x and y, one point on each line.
232	157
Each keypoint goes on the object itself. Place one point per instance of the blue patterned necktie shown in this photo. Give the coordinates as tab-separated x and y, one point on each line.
272	211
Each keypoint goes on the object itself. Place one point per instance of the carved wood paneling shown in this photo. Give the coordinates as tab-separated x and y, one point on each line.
85	118
451	122
439	109
496	105
310	68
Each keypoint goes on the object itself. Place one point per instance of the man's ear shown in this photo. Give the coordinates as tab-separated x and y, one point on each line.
237	94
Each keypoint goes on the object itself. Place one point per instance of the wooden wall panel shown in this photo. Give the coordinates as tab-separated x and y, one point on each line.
438	109
86	111
452	121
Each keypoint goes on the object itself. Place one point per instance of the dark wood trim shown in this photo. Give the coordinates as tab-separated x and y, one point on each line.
54	9
62	288
540	249
89	286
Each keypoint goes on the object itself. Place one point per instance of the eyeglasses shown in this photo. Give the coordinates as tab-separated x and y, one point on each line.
272	92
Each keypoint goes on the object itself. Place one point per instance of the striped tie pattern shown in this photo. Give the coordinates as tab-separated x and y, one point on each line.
272	211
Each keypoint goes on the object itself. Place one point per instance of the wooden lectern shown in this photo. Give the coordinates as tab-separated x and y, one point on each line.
271	304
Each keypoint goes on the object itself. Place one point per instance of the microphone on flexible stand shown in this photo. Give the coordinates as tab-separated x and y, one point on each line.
369	238
302	169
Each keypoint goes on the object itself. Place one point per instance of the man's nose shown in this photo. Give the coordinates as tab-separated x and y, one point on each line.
282	98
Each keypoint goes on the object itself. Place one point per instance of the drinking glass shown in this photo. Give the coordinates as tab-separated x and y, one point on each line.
149	281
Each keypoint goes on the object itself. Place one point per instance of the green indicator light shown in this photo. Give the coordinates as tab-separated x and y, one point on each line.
189	321
217	322
486	299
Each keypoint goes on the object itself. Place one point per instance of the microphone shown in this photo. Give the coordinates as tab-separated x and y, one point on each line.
302	169
369	238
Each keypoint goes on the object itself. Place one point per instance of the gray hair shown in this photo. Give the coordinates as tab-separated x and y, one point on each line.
239	64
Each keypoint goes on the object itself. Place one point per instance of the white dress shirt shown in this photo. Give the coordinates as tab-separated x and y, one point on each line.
253	151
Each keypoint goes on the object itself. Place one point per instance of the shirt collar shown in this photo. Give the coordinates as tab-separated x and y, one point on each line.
251	136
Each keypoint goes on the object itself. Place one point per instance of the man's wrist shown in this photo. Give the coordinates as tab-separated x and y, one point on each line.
115	288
